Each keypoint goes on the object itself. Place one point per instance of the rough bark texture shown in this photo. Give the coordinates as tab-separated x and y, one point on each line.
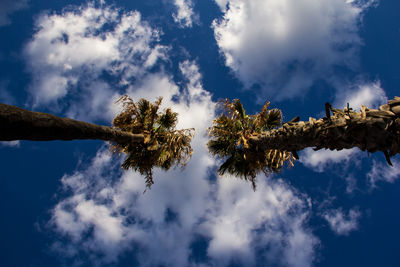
370	130
20	124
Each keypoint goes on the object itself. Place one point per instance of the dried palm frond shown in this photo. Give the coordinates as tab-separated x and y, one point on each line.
163	145
229	139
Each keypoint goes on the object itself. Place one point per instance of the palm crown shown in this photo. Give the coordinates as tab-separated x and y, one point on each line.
229	139
163	146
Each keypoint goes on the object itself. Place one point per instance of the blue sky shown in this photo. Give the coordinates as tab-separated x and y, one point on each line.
69	203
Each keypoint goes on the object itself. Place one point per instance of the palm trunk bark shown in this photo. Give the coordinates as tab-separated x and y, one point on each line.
370	129
20	124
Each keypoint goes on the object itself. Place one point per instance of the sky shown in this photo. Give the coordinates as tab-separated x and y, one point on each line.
68	203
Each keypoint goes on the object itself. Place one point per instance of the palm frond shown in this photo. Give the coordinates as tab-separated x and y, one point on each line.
239	108
229	134
168	119
273	119
163	146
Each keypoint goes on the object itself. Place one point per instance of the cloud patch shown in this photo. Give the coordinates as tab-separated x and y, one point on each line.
107	215
72	53
283	47
382	172
341	223
185	15
321	159
243	222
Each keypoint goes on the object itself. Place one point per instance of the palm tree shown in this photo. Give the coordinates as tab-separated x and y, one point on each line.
163	146
230	133
248	152
147	136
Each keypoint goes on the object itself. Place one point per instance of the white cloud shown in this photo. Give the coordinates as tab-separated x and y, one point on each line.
284	46
319	160
243	221
382	172
109	215
340	223
222	4
371	95
184	16
7	7
70	52
106	213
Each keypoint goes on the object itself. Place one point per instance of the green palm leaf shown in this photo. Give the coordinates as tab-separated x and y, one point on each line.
230	133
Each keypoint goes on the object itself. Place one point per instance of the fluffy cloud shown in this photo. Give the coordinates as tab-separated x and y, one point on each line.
382	172
284	46
340	223
106	213
184	16
242	222
10	6
71	53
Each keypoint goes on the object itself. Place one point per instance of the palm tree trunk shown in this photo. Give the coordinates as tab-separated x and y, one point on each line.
370	129
20	124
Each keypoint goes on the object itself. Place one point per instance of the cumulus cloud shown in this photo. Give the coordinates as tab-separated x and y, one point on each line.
106	214
7	7
185	15
382	172
341	223
283	47
243	222
71	52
